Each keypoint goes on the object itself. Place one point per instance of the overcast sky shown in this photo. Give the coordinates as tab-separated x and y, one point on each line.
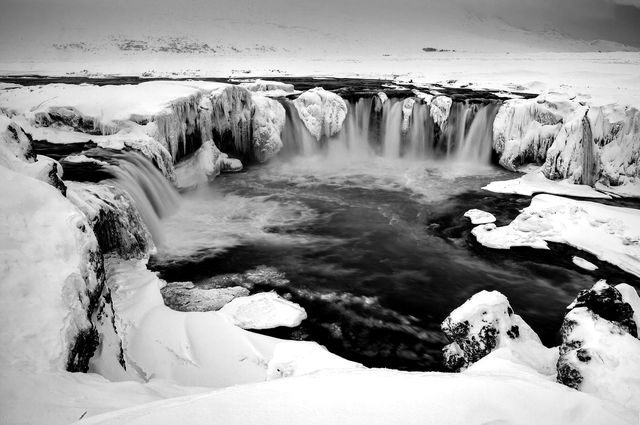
390	24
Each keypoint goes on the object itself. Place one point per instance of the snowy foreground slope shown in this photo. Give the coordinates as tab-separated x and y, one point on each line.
75	301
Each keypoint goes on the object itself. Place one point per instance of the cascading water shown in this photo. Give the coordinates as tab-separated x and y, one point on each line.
373	129
154	196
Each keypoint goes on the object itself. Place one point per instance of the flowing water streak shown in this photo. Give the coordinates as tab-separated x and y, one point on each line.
154	196
370	130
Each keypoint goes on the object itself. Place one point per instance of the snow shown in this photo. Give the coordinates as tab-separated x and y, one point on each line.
630	296
264	310
610	233
47	274
268	122
581	262
479	216
518	396
321	111
535	182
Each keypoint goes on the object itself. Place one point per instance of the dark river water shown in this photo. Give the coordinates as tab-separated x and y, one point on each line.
377	252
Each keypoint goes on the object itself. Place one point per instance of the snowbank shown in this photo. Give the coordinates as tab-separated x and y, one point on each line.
536	182
486	322
264	310
268	122
609	233
321	111
50	270
381	396
479	216
600	349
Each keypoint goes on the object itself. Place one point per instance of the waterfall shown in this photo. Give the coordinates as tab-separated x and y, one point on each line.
371	128
154	196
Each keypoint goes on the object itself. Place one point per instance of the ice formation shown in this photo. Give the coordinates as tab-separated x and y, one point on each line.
269	88
264	310
185	296
582	263
322	111
268	122
573	141
201	167
610	233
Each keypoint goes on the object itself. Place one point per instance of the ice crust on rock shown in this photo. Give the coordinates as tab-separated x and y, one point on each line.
600	349
264	310
439	110
114	218
486	322
610	233
572	141
268	122
321	111
479	216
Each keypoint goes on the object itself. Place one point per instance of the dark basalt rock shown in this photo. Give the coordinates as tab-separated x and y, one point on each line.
606	301
82	350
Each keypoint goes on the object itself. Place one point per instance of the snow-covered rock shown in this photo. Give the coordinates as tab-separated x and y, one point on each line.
51	272
321	111
201	167
114	218
600	349
264	310
268	122
16	153
439	110
486	322
610	233
269	88
230	165
631	297
480	217
185	296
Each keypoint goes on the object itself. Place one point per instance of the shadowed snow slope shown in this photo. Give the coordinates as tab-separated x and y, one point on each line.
609	233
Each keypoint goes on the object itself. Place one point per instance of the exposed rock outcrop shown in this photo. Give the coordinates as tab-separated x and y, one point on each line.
482	324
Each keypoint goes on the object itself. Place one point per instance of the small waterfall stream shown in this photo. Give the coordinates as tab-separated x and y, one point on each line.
154	196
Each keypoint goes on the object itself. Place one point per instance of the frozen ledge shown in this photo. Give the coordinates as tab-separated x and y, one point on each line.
536	182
